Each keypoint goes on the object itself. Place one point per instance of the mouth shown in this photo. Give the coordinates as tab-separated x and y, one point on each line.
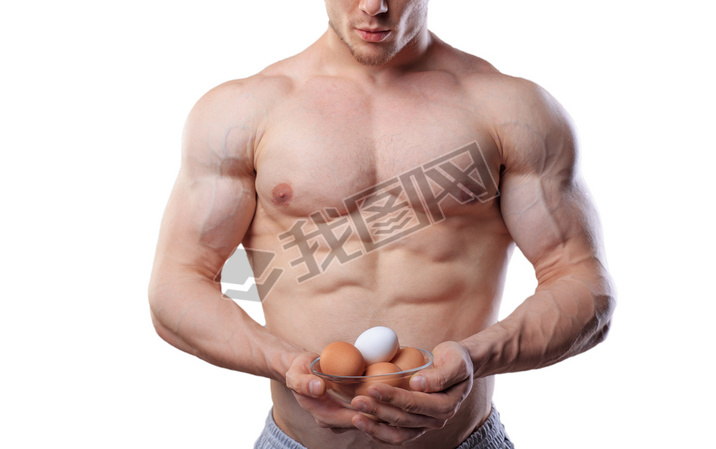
372	35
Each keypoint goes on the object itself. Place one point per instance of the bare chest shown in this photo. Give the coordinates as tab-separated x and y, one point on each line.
336	149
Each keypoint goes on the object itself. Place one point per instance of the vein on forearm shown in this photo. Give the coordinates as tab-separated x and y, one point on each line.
561	319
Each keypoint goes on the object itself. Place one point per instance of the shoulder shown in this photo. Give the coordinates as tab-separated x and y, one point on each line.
228	121
507	98
242	99
529	125
244	102
535	132
523	101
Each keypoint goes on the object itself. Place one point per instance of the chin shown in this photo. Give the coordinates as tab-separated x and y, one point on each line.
373	59
375	56
365	53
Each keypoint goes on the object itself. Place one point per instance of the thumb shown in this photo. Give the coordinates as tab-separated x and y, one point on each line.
300	379
451	365
429	381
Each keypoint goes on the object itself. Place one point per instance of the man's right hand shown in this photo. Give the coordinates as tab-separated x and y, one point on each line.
310	392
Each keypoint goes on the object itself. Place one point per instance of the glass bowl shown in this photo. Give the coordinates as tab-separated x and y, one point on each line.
344	388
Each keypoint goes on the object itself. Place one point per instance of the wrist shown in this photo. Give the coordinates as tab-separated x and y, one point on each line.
278	361
492	351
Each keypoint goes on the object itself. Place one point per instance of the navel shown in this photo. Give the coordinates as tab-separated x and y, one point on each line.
281	194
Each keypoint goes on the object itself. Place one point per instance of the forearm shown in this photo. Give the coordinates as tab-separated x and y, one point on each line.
562	319
192	314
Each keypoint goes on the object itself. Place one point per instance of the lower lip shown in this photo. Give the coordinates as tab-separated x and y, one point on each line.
369	36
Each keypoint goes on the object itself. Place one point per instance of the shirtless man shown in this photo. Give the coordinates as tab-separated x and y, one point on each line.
376	97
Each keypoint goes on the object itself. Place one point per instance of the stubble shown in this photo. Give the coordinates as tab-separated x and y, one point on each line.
367	59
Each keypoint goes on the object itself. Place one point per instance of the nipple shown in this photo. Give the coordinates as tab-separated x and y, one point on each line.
282	194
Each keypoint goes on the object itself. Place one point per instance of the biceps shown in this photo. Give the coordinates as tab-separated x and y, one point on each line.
552	221
224	209
206	220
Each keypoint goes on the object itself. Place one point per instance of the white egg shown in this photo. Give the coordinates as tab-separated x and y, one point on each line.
377	344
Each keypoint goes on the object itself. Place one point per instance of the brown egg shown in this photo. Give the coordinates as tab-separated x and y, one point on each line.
342	359
408	358
377	369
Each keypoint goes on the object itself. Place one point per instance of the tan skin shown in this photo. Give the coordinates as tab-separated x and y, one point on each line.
299	137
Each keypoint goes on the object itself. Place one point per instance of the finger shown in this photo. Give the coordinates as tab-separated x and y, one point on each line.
300	379
395	416
405	408
338	421
306	385
439	379
326	412
450	367
385	433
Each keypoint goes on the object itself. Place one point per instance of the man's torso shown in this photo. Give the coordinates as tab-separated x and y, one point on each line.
381	204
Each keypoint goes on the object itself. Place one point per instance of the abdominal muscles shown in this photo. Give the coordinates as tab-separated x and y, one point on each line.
437	279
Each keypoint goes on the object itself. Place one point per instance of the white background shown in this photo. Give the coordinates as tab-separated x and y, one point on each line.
93	96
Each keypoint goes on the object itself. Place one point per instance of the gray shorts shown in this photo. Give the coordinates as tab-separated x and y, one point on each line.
490	435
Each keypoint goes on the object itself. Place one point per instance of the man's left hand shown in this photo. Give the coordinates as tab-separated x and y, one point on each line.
437	394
